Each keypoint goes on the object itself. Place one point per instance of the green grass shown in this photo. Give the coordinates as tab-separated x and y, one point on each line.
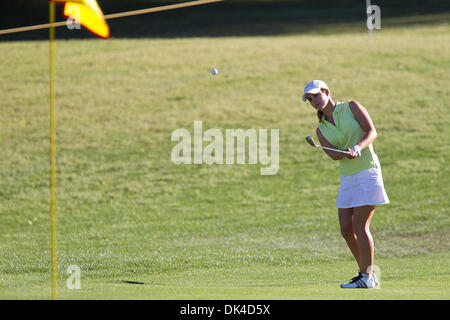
126	212
307	281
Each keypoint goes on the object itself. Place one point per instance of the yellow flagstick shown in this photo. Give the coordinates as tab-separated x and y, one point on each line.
53	149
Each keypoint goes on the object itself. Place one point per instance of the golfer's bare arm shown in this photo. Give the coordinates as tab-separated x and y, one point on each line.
362	116
324	142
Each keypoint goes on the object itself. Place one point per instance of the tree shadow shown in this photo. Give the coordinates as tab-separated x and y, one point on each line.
231	18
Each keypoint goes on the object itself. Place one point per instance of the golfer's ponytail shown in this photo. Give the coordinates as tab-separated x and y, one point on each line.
320	115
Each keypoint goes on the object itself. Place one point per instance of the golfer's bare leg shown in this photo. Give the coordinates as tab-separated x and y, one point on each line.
347	231
361	223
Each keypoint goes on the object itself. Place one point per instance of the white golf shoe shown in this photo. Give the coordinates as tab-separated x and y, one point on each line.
366	281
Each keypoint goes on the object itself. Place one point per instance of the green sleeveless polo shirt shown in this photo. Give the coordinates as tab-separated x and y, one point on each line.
346	134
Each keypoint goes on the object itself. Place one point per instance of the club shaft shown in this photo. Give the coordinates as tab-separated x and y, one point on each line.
335	150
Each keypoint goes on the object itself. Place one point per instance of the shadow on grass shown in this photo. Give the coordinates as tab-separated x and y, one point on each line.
231	18
132	282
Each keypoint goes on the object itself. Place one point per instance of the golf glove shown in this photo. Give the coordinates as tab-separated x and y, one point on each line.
356	148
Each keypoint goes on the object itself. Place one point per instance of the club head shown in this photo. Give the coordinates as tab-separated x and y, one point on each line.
310	140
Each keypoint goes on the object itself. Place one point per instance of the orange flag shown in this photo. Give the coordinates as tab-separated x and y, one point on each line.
88	14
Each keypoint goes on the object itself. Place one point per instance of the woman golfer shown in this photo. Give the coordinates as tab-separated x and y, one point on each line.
347	126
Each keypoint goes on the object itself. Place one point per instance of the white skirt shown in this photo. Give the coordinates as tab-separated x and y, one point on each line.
362	189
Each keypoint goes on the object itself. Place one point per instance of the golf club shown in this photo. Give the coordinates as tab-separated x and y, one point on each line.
310	140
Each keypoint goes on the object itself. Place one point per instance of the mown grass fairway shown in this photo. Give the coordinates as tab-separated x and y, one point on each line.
127	213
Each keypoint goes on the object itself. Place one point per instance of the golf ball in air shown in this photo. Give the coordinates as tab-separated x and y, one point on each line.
214	71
